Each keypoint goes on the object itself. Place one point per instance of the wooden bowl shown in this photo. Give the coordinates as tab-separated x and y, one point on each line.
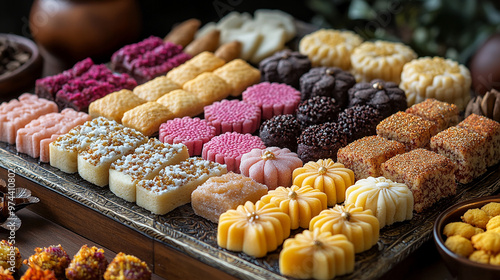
461	267
24	77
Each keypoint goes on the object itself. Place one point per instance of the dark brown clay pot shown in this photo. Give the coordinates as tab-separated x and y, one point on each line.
75	29
485	66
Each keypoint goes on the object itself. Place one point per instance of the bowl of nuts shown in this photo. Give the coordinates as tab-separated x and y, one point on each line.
20	64
467	236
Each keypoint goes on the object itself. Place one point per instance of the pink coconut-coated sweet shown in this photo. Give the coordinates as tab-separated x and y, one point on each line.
192	132
228	148
273	98
15	114
235	115
271	166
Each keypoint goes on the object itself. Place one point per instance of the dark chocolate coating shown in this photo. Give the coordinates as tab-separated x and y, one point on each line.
317	110
284	67
386	97
359	121
327	81
320	142
281	131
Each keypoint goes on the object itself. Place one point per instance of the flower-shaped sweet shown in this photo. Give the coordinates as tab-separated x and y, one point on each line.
389	201
37	273
300	203
253	229
6	249
87	264
52	258
271	166
317	255
5	274
360	226
386	97
327	176
127	267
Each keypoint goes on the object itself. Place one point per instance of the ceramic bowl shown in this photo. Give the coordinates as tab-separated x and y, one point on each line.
461	267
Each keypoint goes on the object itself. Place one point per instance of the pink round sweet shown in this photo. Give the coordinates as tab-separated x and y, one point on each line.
228	148
192	132
271	166
273	98
235	115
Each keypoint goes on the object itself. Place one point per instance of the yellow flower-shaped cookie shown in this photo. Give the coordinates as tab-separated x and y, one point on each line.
253	229
317	255
300	203
326	176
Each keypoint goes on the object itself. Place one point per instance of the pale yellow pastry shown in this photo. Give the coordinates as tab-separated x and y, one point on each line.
203	62
114	105
459	245
239	75
488	241
389	201
493	223
144	163
360	226
476	217
380	60
480	256
327	176
438	78
173	186
462	229
221	193
182	103
147	117
317	255
95	160
300	203
253	229
329	47
208	88
156	88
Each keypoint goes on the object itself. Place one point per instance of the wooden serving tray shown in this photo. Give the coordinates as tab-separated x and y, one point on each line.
175	243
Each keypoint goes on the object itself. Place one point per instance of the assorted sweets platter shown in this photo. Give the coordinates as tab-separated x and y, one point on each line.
255	159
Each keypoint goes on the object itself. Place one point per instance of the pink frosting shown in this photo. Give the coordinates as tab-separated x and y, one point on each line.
234	115
228	148
273	98
192	132
271	166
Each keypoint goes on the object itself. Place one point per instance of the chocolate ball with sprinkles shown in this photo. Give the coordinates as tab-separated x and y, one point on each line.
281	131
386	97
285	67
317	110
327	81
320	142
359	121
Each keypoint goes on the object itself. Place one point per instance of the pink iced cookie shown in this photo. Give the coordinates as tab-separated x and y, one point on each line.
273	98
271	166
15	114
192	132
228	148
29	138
234	115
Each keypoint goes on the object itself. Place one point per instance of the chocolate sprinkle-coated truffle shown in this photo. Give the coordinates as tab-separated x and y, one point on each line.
317	110
359	121
320	142
327	81
280	131
387	97
285	67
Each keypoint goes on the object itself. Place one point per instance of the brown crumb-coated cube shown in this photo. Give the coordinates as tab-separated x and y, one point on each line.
114	105
442	113
156	88
239	75
430	176
182	103
208	87
464	147
413	131
364	156
487	128
147	117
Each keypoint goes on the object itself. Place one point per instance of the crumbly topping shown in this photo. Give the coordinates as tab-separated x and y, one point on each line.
458	139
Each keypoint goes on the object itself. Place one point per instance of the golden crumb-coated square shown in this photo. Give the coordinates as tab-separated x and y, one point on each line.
183	73
208	87
206	61
156	88
147	117
365	156
487	128
182	103
413	131
203	62
430	176
114	105
464	147
442	113
239	75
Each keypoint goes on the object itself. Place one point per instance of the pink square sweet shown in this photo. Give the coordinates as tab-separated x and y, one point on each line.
273	98
233	115
192	132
